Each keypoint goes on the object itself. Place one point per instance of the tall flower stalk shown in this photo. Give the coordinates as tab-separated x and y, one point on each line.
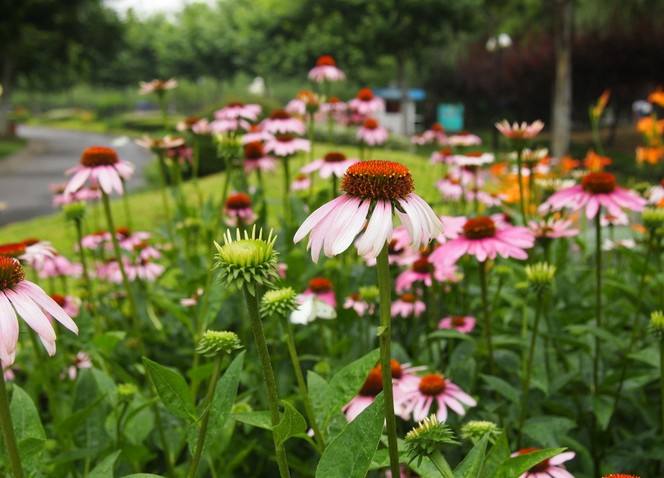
249	262
598	299
8	436
487	331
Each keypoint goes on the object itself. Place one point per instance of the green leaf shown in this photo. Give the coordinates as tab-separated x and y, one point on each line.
449	334
258	419
28	428
548	431
319	391
292	423
95	393
502	387
143	475
171	389
349	455
603	409
518	465
224	398
471	465
499	453
105	468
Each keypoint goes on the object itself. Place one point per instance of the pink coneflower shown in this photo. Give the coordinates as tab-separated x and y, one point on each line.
519	131
146	252
611	245
550	468
434	135
597	189
461	323
472	159
26	299
83	194
369	184
552	228
333	162
142	269
281	122
407	305
187	124
301	182
71	305
109	271
59	266
81	360
238	211
255	158
371	133
361	307
483	238
30	251
464	139
366	103
442	156
450	188
129	239
193	299
322	289
237	110
255	134
296	107
422	270
182	154
283	145
229	125
608	219
399	250
102	167
157	86
421	392
159	145
95	240
333	106
326	70
201	127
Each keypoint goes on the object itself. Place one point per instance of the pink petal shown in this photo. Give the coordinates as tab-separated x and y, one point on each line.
32	315
47	303
8	326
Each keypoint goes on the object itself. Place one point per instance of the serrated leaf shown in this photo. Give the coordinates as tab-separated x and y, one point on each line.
105	468
171	389
350	453
292	423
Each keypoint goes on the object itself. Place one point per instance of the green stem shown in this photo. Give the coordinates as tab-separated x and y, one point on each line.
486	315
202	431
125	202
8	430
441	464
195	165
334	185
598	298
302	385
384	336
519	166
661	379
286	201
84	262
268	375
118	257
163	173
528	369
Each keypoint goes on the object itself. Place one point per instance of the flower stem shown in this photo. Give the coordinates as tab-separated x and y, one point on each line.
598	298
118	257
384	336
441	464
528	365
302	385
661	380
268	375
486	315
202	431
84	265
125	202
8	430
519	166
164	196
286	167
334	186
195	165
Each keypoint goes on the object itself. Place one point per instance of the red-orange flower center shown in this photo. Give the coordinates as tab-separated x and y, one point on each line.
373	384
393	249
235	104
422	265
599	183
541	466
300	177
123	232
432	384
13	249
285	138
384	180
253	150
238	201
30	241
95	156
326	60
334	100
190	121
320	285
479	228
437	127
365	94
59	299
458	320
280	114
11	272
408	298
334	157
370	123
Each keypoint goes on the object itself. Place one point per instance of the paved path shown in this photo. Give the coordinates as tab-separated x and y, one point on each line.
25	177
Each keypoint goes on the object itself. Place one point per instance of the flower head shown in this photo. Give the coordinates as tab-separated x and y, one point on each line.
461	323
374	191
550	467
74	211
421	392
540	275
326	70
281	122
653	219
427	437
366	103
157	86
657	322
371	133
218	342
516	131
247	260
102	167
279	302
475	430
333	163
238	210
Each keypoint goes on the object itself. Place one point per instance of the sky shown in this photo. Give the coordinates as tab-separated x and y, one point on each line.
147	7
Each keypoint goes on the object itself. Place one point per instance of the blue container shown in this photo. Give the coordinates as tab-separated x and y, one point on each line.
450	115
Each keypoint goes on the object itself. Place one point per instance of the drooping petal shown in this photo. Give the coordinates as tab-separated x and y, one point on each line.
48	304
378	230
351	229
8	326
317	216
32	315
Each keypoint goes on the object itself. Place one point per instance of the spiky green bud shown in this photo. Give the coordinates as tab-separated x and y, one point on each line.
474	430
218	342
657	322
278	302
248	260
540	275
427	437
74	211
653	220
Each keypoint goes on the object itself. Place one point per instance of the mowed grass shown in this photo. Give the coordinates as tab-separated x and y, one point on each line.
148	214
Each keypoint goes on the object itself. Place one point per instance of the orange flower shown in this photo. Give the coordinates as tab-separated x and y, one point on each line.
567	163
649	154
650	127
657	97
595	162
498	169
597	110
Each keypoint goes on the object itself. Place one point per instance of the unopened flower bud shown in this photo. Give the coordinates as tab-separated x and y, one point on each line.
218	342
540	275
428	436
474	430
278	302
74	211
657	322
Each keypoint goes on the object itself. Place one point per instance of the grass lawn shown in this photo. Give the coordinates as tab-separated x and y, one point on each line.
9	146
147	211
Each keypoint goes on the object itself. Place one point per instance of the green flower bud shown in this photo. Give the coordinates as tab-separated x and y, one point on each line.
126	391
218	342
540	275
278	303
74	211
248	260
653	220
657	322
474	430
427	437
369	293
